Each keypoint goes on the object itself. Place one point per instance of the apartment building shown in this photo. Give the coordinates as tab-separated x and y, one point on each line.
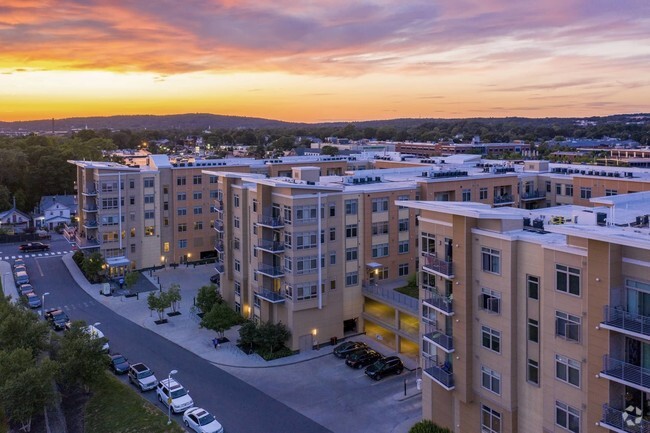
535	320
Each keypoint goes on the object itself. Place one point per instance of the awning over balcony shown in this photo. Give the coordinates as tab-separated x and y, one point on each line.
374	265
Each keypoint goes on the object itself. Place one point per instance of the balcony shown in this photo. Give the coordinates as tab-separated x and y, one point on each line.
270	222
219	247
624	420
503	200
271	271
218	207
89	192
218	226
443	341
92	224
270	296
440	373
387	294
90	208
440	302
437	266
219	267
617	319
625	373
533	195
271	246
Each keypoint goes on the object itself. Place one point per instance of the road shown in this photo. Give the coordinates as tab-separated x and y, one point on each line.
236	404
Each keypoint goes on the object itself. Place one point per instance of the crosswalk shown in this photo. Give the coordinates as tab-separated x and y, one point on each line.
75	306
33	255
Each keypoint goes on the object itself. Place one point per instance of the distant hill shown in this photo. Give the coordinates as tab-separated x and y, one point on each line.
201	121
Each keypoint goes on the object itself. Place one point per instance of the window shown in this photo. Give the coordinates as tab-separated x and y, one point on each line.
490	301
532	284
287	214
332	210
428	243
568	190
490	420
567	326
402	198
332	258
196	179
490	380
548	186
403	225
532	373
332	233
567	417
491	339
236	244
306	213
380	204
491	260
181	196
558	188
403	247
380	228
351	278
197	195
148	199
382	273
287	239
147	182
166	247
585	192
182	228
254	205
214	179
483	194
149	214
149	230
305	240
533	330
609	192
181	211
567	370
131	183
182	243
198	210
181	180
403	269
237	266
351	254
236	222
306	265
567	279
132	199
333	285
198	225
351	207
351	231
380	250
236	200
467	195
109	203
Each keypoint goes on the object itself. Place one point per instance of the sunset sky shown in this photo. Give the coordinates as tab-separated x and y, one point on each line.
316	61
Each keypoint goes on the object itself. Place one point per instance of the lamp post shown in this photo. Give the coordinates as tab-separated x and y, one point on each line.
169	403
43	303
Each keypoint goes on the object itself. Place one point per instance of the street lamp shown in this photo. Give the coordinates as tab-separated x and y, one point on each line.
43	303
169	403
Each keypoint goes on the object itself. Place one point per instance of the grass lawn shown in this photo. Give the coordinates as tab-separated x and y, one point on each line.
117	408
411	291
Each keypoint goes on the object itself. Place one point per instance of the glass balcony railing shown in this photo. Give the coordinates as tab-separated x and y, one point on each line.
218	226
440	373
445	342
504	199
270	221
270	296
533	195
437	266
219	267
616	318
625	373
219	246
271	271
271	246
440	302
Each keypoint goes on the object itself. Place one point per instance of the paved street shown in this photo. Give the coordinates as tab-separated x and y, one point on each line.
309	392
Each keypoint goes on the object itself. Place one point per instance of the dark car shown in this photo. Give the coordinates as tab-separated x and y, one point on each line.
215	279
57	318
384	367
33	300
24	289
344	349
119	363
34	246
362	358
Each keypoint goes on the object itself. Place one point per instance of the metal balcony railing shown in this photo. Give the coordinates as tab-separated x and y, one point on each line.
90	208
270	221
445	342
616	318
271	246
219	267
438	266
219	247
90	224
440	373
89	192
218	226
440	302
628	420
533	195
504	199
623	372
271	271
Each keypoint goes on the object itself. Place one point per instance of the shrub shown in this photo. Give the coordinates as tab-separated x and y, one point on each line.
427	426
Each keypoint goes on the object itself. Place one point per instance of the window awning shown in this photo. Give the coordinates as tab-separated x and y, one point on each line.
114	262
374	265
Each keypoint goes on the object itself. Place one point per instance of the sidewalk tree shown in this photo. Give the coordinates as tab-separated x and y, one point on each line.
247	334
93	267
207	298
131	278
173	296
220	318
157	303
80	357
271	337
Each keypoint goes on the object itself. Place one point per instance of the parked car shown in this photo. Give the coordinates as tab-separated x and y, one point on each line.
18	262
344	349
96	333
57	318
201	421
362	358
24	289
119	364
34	246
172	393
20	268
21	278
141	376
33	300
384	367
215	279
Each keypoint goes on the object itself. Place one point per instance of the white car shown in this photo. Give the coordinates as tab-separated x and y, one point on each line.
172	393
96	333
201	421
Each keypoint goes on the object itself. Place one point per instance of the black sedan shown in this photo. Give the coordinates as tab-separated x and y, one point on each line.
119	363
344	349
362	358
385	366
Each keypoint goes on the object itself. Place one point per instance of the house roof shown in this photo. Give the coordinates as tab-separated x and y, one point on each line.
69	201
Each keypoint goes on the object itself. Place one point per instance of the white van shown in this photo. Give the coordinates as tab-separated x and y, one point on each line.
96	333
